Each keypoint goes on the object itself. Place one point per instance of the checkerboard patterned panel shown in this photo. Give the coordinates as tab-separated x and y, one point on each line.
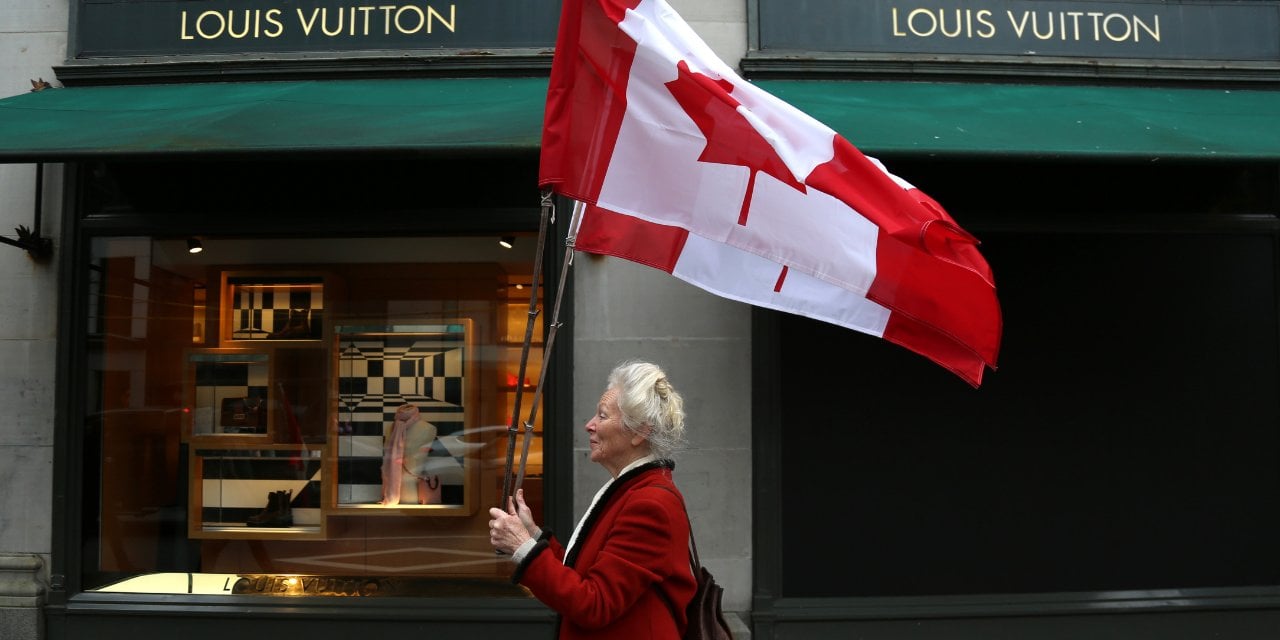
276	310
378	374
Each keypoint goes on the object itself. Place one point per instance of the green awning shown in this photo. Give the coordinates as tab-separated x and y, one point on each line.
505	114
454	114
1042	120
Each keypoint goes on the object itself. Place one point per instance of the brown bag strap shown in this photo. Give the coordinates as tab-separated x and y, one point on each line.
693	544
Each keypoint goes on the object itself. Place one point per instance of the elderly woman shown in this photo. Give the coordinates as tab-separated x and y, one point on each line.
625	571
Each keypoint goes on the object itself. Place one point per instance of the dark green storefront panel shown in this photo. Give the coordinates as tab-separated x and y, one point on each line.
505	114
480	114
1042	120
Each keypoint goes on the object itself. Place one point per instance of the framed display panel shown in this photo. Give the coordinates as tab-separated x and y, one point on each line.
272	307
427	466
264	491
229	395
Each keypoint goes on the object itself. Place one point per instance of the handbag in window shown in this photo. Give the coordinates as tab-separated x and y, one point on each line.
244	415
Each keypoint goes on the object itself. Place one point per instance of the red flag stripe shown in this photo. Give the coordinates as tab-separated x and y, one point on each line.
655	245
954	300
586	101
941	349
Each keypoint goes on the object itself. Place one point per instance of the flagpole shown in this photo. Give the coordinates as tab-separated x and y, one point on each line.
555	323
513	431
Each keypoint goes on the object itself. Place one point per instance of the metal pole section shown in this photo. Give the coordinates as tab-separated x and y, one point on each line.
35	231
551	338
514	430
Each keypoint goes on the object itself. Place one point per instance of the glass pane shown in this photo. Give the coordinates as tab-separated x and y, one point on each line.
1099	452
403	397
304	416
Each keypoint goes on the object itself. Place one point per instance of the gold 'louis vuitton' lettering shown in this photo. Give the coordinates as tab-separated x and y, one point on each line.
1095	26
1072	26
403	19
329	22
211	25
925	23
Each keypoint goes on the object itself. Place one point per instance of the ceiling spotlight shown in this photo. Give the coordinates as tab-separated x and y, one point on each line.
194	246
506	241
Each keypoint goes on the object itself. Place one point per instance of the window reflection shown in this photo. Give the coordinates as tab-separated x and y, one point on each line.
247	429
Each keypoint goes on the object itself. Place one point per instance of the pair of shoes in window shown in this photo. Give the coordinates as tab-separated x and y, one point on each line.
279	511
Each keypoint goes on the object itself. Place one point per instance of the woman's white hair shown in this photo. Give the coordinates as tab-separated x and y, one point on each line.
647	399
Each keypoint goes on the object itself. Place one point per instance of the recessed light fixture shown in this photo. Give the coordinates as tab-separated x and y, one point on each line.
506	242
194	246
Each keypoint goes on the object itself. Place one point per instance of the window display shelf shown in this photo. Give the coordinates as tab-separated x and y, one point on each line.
276	307
405	393
229	396
258	491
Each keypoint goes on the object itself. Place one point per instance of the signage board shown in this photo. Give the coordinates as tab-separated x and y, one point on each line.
1205	30
107	28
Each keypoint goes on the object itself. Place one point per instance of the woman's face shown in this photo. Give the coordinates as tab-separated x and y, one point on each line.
612	445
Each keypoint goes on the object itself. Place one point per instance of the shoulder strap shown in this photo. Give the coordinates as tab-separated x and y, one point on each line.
693	552
693	544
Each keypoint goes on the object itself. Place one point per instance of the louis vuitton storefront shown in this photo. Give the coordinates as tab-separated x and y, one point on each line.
290	233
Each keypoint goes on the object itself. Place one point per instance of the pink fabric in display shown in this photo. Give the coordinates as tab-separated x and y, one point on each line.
393	454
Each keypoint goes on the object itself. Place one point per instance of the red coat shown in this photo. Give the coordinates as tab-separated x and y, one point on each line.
634	543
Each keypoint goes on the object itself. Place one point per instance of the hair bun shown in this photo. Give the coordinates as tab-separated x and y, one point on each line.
662	387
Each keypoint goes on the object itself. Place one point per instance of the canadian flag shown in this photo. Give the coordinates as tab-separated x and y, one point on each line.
686	167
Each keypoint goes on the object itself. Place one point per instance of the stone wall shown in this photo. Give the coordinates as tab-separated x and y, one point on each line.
22	593
33	38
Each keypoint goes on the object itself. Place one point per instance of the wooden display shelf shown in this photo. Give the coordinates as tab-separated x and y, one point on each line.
244	491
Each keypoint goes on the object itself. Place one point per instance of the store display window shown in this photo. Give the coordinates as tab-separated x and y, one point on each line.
303	416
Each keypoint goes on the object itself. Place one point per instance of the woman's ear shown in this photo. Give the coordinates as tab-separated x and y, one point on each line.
641	434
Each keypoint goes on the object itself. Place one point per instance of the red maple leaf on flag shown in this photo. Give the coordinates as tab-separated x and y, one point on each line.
730	137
